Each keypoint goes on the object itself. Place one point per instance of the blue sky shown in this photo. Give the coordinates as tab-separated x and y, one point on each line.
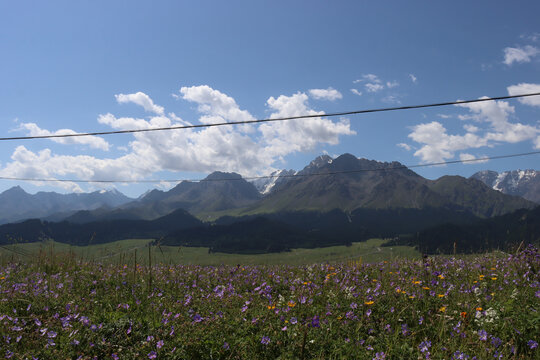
85	66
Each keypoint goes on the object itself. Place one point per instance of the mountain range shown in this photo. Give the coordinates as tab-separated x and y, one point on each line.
16	204
524	183
330	201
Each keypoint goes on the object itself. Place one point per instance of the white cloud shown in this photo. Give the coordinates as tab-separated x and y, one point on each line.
405	146
413	78
444	116
372	83
94	142
470	159
525	88
471	128
247	149
520	54
284	137
391	99
356	92
438	145
374	87
216	106
494	112
140	99
325	94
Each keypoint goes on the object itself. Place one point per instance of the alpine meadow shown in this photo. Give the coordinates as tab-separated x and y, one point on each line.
254	180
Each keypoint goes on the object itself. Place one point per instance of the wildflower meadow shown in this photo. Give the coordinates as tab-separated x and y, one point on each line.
480	307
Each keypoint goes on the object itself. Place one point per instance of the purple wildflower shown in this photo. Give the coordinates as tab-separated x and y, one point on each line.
159	344
458	355
532	344
152	355
424	346
483	335
404	329
265	340
496	341
380	356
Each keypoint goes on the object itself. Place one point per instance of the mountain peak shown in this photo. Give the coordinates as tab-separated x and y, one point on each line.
16	190
320	160
218	175
524	183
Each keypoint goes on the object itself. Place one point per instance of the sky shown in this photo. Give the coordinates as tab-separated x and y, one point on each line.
88	66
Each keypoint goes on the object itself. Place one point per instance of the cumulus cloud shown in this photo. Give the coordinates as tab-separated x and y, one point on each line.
356	92
94	142
248	150
413	78
495	127
281	138
439	146
525	88
140	99
391	84
520	54
325	94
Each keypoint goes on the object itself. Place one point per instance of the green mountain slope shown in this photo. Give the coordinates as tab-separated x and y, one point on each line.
354	183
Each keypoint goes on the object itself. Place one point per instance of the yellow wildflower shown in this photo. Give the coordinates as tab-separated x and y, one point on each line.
368	302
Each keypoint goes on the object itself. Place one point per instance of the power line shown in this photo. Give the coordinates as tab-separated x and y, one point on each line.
400	167
180	127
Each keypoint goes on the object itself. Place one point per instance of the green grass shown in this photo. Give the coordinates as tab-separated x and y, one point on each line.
124	251
65	307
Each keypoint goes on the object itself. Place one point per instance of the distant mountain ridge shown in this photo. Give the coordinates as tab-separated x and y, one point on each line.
524	183
16	204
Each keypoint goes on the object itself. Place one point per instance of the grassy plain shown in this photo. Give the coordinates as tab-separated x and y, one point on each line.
125	251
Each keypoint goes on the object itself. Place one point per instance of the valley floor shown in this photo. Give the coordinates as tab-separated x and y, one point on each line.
126	251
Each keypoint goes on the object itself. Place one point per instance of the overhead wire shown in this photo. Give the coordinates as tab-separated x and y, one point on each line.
256	121
297	175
